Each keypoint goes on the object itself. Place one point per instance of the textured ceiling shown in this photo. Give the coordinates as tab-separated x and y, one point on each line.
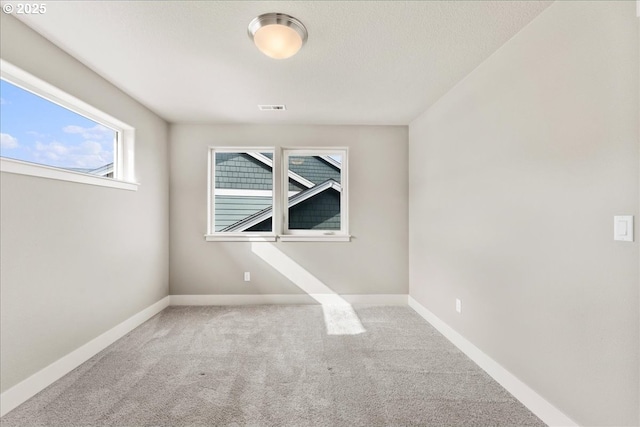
364	63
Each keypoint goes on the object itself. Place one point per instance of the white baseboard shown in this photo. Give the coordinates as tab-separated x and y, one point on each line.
37	382
377	299
254	299
548	413
241	299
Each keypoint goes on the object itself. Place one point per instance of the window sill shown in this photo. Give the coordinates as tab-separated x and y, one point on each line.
315	238
273	238
41	171
239	238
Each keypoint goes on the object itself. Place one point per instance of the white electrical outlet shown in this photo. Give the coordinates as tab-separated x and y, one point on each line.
458	305
247	276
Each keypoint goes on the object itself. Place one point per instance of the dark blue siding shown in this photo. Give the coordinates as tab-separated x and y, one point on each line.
321	212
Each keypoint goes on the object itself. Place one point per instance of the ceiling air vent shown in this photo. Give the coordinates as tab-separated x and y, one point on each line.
272	107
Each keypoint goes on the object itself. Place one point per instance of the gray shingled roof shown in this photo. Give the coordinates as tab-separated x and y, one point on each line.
240	171
100	171
314	168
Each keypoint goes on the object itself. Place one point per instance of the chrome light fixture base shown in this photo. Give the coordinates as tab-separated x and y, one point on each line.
280	19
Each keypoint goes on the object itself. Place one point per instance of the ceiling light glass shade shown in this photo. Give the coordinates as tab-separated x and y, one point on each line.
277	35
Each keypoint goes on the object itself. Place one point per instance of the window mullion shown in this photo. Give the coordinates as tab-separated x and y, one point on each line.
279	193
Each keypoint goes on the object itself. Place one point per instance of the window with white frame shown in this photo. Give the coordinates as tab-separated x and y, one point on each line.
263	194
318	208
48	133
241	192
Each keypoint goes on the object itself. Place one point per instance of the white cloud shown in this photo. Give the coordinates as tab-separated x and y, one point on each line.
8	142
36	134
96	132
90	147
88	154
74	129
94	150
53	149
3	101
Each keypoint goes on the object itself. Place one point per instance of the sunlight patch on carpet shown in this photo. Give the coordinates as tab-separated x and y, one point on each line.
339	316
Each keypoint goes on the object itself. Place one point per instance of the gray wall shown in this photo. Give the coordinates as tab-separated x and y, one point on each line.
77	259
374	262
515	176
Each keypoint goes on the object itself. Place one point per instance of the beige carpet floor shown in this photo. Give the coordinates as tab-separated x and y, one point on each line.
276	366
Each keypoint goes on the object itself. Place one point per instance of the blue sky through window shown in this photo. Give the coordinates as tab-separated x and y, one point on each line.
36	130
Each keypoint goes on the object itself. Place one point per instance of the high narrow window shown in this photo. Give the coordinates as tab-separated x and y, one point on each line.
39	131
48	133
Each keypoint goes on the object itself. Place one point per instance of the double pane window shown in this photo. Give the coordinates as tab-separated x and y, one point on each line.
243	203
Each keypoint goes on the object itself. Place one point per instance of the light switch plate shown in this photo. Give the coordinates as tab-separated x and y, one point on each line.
623	228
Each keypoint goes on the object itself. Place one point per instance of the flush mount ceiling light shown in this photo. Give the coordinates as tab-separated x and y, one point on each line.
277	35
